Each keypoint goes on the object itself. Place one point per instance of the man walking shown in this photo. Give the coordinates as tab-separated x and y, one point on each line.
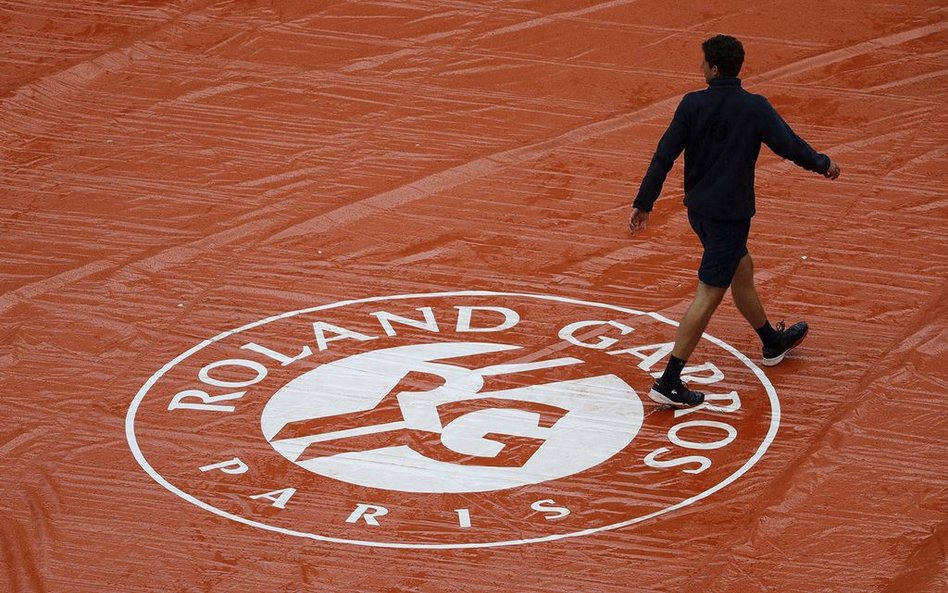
720	130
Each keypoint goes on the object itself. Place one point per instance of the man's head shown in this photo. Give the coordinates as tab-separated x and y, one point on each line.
723	56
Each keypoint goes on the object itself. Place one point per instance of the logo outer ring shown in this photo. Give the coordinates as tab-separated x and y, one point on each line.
140	458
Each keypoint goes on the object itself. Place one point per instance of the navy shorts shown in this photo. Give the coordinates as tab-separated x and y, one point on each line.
725	243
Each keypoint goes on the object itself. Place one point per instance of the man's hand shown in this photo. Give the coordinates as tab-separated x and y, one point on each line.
638	221
833	171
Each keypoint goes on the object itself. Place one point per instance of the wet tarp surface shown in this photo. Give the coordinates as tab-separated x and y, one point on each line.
339	296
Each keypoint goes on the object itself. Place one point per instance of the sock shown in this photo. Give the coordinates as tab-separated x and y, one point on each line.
672	372
768	335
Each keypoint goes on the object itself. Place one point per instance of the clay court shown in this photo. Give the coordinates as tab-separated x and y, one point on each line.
340	296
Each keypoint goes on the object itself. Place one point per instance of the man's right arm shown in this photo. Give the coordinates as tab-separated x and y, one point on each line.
781	139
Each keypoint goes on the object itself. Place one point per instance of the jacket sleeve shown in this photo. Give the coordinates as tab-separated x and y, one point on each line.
781	139
669	147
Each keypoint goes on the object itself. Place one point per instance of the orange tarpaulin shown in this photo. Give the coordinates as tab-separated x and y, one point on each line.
340	296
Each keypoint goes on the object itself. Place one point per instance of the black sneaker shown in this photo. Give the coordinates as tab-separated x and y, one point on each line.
787	340
676	395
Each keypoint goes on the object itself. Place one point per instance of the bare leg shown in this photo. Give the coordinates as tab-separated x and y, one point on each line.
707	299
745	294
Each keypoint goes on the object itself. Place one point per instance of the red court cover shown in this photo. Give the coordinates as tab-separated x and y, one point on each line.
340	297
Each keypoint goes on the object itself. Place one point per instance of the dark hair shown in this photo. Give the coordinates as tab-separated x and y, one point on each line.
725	52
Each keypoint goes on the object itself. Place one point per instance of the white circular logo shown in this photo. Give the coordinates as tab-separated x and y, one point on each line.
439	441
447	420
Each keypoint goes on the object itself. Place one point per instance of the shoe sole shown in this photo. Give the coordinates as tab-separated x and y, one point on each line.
657	397
769	362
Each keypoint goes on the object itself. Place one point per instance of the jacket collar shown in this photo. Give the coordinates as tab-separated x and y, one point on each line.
725	81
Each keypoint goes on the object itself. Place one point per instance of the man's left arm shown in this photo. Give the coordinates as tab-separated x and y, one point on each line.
669	148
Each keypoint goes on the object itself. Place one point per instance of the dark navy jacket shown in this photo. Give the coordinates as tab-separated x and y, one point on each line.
721	129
